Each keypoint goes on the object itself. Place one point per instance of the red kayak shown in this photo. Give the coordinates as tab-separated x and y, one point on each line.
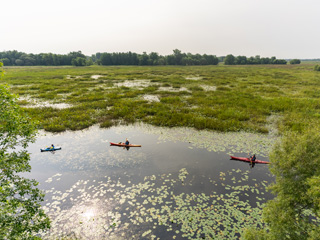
123	145
247	160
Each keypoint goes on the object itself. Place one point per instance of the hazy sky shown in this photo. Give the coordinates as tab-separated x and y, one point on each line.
281	28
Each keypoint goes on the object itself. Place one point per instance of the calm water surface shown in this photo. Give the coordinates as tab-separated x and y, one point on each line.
173	187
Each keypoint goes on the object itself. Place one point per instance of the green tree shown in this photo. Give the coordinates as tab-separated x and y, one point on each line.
105	59
229	60
154	57
170	60
211	59
279	61
143	59
79	61
178	56
19	62
5	61
89	62
295	61
21	216
241	60
294	212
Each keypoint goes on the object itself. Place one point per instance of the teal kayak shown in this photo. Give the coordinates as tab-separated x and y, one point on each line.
49	149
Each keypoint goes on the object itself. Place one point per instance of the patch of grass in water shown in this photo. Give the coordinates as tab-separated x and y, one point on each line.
106	124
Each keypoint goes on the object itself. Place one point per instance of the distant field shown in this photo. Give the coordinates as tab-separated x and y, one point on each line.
222	98
310	62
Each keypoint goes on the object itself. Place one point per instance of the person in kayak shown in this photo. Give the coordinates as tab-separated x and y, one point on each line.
127	141
51	147
252	161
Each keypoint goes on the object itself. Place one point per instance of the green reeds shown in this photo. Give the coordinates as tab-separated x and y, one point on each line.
243	99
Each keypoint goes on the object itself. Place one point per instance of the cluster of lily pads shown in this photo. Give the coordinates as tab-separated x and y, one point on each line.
159	206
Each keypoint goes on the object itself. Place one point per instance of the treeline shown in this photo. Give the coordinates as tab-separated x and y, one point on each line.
243	60
153	58
15	58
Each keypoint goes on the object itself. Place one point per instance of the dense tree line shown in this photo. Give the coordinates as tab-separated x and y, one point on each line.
243	60
15	58
153	58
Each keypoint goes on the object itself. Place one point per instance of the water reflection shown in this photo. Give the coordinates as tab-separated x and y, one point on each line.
124	147
169	189
89	213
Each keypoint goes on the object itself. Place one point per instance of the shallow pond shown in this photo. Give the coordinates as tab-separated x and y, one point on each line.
181	184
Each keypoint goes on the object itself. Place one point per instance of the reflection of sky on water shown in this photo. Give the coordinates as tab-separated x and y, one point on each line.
166	189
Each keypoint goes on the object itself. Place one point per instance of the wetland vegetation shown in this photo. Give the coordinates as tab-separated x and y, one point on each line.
142	192
221	98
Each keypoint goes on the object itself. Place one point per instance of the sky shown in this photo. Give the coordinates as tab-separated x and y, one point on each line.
282	28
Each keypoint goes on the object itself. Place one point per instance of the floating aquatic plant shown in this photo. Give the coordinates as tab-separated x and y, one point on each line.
113	209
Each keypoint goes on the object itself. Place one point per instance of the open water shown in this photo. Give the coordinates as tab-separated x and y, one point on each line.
181	184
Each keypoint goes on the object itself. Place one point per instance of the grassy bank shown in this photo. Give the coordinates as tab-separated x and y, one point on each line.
222	98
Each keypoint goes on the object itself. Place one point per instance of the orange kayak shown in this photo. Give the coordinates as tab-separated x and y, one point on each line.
123	145
248	160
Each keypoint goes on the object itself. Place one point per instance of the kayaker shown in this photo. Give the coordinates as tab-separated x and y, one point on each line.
127	141
52	146
253	158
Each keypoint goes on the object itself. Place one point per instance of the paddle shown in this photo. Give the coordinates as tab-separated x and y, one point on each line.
250	159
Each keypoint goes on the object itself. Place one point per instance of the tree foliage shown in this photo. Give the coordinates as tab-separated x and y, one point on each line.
295	61
21	216
153	59
79	61
243	60
230	60
294	212
15	58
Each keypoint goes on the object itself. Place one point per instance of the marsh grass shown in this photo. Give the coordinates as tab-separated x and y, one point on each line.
244	97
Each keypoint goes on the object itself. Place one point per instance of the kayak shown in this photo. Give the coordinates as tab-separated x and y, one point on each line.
123	145
50	149
248	160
